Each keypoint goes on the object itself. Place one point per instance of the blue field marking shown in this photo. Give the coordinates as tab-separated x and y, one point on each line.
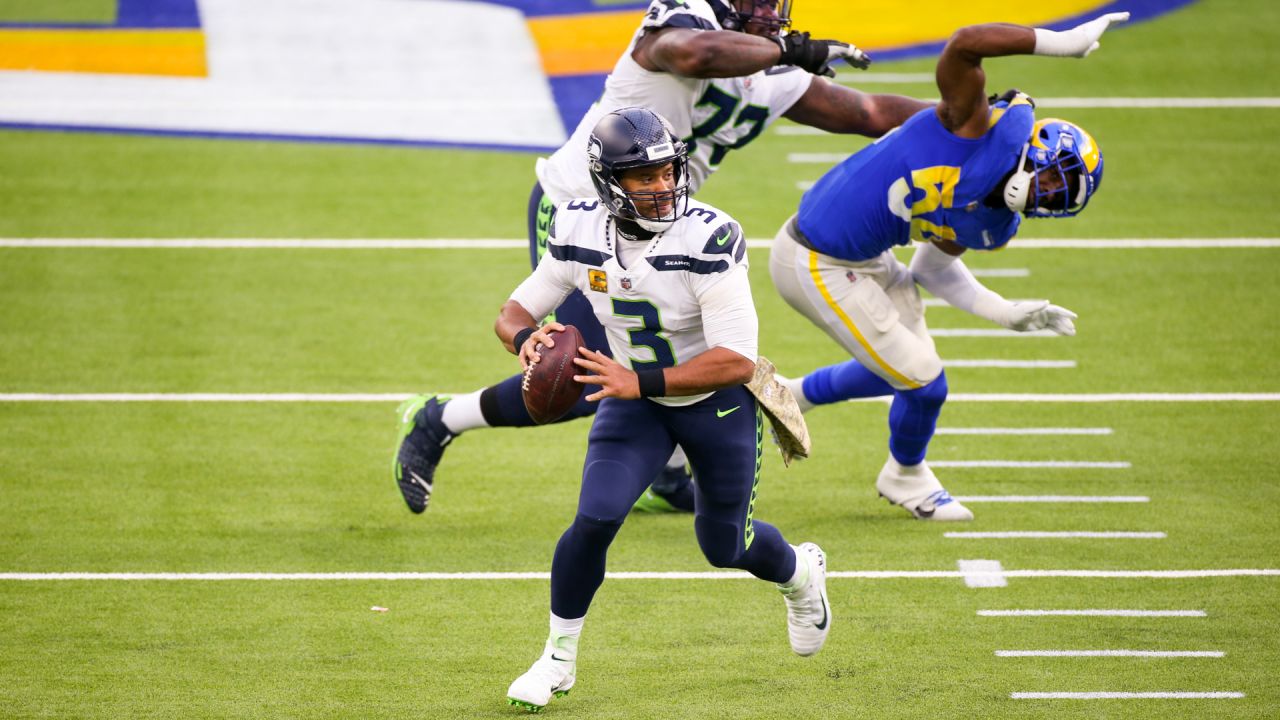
135	14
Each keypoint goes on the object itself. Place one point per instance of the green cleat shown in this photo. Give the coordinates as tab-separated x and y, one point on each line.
652	502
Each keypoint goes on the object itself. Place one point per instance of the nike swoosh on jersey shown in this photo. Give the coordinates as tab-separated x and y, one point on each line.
722	413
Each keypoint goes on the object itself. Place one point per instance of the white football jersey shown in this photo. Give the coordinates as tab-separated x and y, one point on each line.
685	293
712	115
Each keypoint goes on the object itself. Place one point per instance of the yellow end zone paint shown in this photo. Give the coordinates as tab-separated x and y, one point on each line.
131	52
581	44
591	43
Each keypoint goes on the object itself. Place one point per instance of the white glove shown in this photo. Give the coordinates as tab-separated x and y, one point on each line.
1031	315
852	55
1080	40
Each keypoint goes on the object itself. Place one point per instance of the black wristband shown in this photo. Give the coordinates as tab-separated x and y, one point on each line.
652	383
521	337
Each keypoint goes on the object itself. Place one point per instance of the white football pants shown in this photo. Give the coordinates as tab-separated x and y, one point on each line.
872	308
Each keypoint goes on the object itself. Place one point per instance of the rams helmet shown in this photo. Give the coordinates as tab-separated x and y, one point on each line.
1065	150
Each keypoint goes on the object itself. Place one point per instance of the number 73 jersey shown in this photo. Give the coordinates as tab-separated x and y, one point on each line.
680	294
712	115
919	182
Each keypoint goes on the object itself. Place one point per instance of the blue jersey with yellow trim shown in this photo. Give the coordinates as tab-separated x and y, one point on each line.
920	182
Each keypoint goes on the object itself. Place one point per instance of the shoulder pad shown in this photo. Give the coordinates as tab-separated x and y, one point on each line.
693	14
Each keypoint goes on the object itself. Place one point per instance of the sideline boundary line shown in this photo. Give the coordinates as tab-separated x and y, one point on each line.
717	575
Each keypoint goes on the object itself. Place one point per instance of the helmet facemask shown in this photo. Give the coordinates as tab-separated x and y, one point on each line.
1054	151
766	18
646	207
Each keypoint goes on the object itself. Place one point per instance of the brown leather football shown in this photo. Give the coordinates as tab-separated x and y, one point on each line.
549	389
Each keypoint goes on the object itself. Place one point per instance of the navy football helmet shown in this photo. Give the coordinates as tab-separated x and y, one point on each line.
773	16
1065	150
636	137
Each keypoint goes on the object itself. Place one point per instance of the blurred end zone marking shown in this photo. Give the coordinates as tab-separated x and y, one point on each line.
1125	695
725	575
1053	498
1021	431
509	243
1092	613
398	397
982	573
1054	535
1112	653
1107	464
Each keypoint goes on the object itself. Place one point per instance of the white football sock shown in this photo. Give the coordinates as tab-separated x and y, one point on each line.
462	413
796	386
801	575
564	636
678	459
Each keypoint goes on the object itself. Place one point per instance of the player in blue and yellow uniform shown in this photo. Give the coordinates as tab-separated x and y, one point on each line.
957	177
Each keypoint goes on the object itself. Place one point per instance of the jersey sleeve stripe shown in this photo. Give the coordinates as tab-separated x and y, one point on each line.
683	20
573	253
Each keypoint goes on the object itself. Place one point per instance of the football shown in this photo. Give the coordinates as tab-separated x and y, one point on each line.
549	389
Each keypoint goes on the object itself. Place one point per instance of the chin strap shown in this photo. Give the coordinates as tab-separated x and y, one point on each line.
1018	187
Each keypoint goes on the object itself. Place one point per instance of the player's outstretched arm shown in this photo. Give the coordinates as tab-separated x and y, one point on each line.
705	53
937	268
962	82
839	109
725	53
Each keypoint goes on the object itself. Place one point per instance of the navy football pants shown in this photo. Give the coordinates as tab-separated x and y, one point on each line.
630	441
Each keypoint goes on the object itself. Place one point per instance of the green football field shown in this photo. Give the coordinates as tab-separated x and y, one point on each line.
1158	420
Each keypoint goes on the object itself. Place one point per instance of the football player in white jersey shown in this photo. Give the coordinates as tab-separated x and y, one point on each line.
667	278
720	71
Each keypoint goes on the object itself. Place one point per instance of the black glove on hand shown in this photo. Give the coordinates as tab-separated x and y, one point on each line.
1008	95
815	56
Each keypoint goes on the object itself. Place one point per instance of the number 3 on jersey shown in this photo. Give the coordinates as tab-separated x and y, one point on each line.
938	183
647	335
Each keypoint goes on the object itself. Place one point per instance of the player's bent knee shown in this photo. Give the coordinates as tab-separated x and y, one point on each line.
595	530
721	542
932	394
924	369
600	499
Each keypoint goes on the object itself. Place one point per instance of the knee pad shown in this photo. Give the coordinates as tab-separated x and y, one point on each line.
600	500
721	542
933	394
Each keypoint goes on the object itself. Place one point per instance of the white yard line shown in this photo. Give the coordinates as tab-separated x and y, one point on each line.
1053	498
1012	364
716	575
1125	695
1054	535
1112	653
1021	431
982	573
514	243
1092	613
1128	103
816	158
397	397
1055	464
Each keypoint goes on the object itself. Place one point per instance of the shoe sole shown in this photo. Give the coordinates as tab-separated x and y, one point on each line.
930	516
531	707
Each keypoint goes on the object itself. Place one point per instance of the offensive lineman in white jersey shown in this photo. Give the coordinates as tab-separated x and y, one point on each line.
720	71
677	308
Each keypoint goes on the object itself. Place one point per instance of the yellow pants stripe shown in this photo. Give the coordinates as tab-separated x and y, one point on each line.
853	329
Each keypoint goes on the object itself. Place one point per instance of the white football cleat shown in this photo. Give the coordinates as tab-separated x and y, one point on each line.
552	675
808	611
915	488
